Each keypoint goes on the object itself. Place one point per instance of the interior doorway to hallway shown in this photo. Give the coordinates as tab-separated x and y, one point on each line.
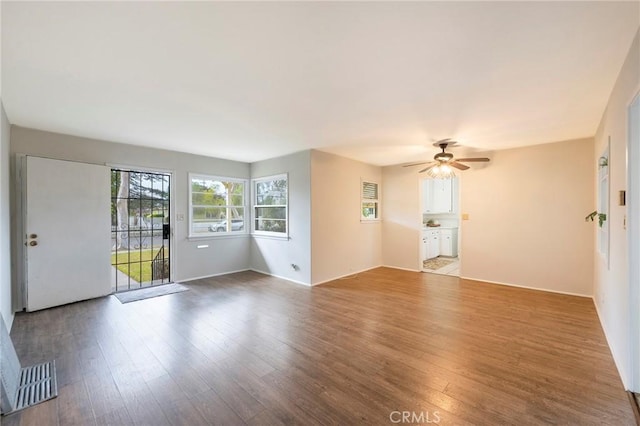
140	229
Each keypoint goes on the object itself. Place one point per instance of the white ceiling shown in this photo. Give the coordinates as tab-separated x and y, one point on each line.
374	81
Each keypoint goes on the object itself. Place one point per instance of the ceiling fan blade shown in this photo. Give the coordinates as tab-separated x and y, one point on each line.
415	164
473	159
457	165
430	166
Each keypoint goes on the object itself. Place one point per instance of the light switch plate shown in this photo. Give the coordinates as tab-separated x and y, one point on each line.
180	217
465	216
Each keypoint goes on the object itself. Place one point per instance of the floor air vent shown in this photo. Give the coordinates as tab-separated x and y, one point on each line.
37	384
22	387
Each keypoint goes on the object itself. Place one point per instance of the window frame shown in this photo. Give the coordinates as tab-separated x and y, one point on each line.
245	206
255	205
364	200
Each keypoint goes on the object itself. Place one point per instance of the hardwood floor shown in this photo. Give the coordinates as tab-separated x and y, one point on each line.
250	349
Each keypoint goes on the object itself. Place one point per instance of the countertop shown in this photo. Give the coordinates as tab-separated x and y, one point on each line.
429	228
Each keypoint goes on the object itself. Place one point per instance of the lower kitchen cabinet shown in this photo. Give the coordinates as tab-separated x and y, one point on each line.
449	242
431	243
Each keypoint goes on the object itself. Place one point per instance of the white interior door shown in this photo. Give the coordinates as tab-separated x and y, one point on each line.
68	232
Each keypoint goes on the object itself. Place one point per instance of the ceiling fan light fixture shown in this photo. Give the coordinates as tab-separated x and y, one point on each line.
443	156
441	171
444	162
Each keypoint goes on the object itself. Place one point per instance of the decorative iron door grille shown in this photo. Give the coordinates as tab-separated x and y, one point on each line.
140	229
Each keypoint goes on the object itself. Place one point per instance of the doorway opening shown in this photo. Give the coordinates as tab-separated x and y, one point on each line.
140	229
440	226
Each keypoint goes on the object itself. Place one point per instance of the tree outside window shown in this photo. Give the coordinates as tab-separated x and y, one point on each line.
217	205
270	205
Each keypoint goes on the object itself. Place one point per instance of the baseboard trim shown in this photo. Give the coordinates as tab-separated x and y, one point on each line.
210	276
279	276
634	406
399	268
614	355
346	275
566	293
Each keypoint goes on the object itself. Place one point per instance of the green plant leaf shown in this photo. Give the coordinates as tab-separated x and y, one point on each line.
601	218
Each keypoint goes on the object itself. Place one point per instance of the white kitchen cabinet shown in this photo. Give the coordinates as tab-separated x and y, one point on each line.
434	244
449	242
425	247
431	243
437	195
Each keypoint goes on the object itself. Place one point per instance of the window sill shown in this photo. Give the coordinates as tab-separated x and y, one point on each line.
216	237
370	221
270	236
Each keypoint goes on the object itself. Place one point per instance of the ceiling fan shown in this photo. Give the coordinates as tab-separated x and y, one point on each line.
443	161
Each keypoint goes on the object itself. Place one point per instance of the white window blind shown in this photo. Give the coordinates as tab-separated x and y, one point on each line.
370	203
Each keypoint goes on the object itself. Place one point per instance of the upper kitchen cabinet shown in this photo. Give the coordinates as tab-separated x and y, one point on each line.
437	196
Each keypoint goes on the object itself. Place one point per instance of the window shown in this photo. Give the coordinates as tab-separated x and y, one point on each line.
370	206
270	199
217	205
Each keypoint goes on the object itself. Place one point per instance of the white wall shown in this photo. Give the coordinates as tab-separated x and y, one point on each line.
611	287
275	255
223	254
5	228
401	217
526	222
340	243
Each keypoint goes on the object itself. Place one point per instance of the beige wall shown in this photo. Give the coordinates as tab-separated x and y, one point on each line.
340	243
526	211
402	217
611	286
275	255
526	218
6	308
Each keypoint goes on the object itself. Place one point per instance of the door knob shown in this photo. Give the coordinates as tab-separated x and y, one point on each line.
33	236
33	243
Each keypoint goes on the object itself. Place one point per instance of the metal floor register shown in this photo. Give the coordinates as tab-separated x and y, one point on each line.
23	387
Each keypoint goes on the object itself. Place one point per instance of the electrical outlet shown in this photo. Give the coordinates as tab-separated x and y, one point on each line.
180	217
465	216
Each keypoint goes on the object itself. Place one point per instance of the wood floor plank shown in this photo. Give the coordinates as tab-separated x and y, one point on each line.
239	400
103	393
182	412
247	348
15	420
117	417
144	410
45	414
190	382
74	405
214	410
